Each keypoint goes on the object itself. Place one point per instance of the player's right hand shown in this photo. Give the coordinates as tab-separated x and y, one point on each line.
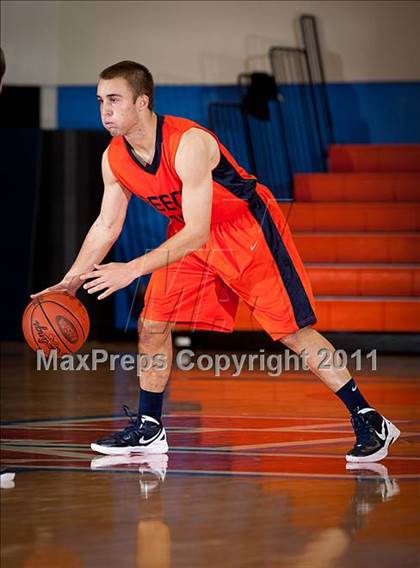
66	285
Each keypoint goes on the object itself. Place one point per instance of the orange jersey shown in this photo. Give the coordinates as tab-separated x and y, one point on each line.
159	184
250	253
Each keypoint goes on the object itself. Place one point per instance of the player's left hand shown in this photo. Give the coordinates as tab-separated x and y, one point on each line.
109	277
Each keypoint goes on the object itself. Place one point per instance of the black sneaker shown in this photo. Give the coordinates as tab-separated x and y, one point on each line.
143	435
374	435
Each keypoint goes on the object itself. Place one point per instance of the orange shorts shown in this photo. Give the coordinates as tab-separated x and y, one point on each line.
252	257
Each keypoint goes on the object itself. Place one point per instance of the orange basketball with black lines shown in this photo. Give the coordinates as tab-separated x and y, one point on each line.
56	320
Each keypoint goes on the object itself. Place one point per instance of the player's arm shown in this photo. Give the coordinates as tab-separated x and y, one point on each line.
194	162
197	155
102	234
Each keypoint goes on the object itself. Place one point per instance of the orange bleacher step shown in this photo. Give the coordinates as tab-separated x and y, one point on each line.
368	314
364	279
381	314
357	187
358	247
374	158
353	216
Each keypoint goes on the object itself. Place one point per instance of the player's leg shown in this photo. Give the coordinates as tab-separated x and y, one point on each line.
320	358
155	352
374	433
276	286
145	432
186	292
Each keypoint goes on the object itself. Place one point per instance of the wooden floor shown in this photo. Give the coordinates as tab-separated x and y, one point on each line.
255	477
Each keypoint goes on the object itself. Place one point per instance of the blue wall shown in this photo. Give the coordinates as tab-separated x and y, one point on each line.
362	112
78	108
378	113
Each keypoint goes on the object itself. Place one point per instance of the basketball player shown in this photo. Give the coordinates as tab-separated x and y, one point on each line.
227	239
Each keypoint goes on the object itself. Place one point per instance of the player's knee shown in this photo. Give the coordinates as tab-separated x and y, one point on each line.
291	340
153	333
296	341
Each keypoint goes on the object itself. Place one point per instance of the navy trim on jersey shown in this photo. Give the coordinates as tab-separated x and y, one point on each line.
226	175
154	166
301	305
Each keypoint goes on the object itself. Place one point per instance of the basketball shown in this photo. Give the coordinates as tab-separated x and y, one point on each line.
55	320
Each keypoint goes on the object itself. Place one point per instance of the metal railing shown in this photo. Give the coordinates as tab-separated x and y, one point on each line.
229	122
298	108
310	38
297	130
257	145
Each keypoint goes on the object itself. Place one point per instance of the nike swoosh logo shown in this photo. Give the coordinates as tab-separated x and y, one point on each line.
253	246
149	440
354	388
384	432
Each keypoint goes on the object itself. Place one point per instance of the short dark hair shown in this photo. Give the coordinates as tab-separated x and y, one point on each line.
137	76
2	64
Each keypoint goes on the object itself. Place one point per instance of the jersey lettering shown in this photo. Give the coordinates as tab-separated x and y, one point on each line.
165	201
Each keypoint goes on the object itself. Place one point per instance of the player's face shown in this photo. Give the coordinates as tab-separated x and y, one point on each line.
118	110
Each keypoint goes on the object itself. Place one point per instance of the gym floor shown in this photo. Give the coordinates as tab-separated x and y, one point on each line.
255	476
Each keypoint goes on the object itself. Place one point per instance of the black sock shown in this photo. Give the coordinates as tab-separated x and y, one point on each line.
150	404
350	395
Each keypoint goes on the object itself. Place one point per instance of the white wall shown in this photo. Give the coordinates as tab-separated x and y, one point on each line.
69	42
29	38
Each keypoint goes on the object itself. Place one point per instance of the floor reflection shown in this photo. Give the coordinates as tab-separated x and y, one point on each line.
153	546
328	547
